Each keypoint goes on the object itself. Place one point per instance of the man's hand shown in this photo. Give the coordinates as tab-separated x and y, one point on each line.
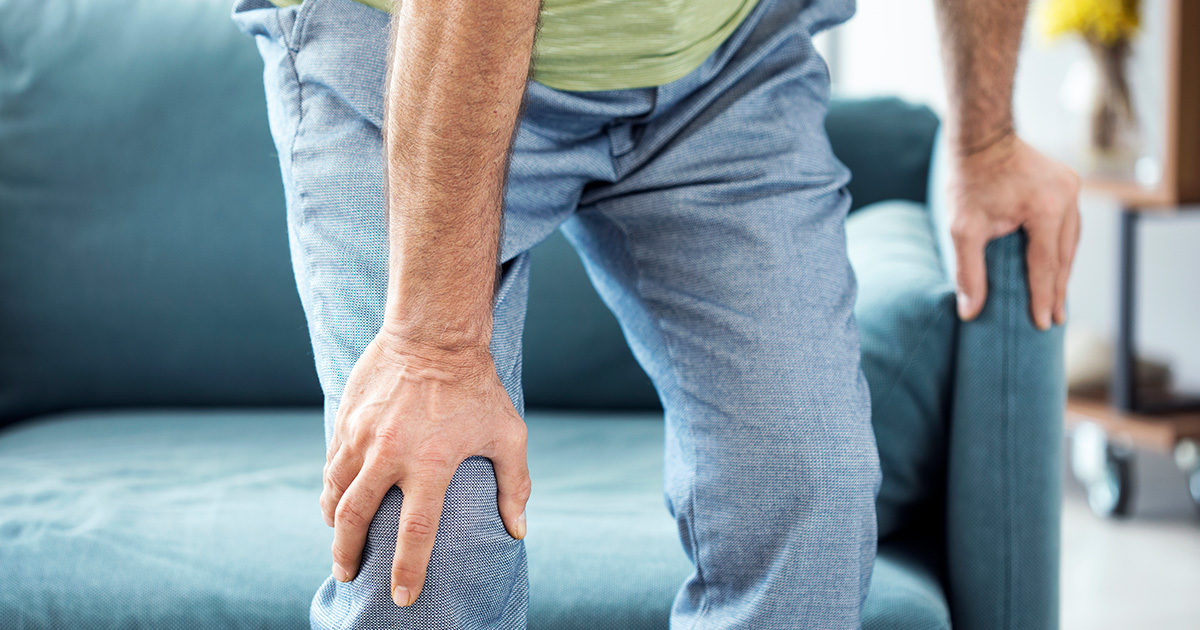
998	183
997	189
408	419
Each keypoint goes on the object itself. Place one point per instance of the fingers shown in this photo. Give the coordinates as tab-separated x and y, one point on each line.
352	519
339	473
1042	264
335	443
335	483
969	242
420	513
1068	242
513	485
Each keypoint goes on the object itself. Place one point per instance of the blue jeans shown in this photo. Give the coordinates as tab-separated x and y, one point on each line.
709	213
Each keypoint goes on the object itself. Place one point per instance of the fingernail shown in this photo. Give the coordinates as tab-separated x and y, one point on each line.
964	305
520	533
401	596
340	574
1044	320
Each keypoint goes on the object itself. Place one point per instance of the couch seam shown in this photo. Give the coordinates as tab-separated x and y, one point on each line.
938	316
1008	340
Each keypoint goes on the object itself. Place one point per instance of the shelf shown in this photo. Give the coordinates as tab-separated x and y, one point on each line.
1160	432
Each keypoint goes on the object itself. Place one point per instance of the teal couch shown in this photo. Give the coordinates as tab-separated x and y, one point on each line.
160	440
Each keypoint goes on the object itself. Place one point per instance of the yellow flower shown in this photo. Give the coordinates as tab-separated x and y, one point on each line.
1105	21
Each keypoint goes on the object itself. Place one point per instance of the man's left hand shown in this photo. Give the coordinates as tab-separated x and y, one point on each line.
998	189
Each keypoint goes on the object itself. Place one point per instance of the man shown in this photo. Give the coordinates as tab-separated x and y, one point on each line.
681	148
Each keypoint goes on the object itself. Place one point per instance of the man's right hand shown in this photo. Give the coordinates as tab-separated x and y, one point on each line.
408	417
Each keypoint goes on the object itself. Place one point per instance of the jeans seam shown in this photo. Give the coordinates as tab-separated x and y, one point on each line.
292	37
283	33
502	293
306	8
316	321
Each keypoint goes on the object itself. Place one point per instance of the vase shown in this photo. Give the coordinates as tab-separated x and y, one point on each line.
1113	134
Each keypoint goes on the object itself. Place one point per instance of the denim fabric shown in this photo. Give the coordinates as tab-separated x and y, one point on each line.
709	213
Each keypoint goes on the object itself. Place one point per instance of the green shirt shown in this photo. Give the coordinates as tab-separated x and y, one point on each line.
619	44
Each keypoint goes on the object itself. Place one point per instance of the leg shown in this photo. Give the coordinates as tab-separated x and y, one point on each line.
325	65
722	253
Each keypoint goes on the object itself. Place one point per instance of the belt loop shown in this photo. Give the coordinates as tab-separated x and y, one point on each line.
621	138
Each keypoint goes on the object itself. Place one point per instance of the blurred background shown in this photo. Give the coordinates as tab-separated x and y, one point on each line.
160	419
1139	568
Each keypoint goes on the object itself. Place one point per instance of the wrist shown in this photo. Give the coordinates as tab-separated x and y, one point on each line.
967	140
436	337
439	356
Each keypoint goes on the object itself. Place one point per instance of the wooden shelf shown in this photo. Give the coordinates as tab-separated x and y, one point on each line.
1160	432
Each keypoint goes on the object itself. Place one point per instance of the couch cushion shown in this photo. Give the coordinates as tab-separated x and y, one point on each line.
209	519
143	249
907	325
575	356
886	143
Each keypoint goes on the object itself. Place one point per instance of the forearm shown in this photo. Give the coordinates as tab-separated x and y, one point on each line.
457	75
980	43
996	183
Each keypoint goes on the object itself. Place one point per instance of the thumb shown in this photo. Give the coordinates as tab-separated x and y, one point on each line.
972	271
513	484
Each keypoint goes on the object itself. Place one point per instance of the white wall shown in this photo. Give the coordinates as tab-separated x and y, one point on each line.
891	47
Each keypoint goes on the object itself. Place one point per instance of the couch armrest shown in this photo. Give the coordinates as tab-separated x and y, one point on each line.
1003	492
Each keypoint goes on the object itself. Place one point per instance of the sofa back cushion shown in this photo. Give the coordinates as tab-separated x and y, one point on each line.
143	244
143	248
908	330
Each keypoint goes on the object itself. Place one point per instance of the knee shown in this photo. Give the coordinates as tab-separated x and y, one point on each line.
476	576
799	447
828	467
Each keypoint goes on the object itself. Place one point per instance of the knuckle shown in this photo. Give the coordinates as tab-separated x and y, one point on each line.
432	459
357	438
342	555
1049	204
350	515
388	451
524	489
418	526
961	230
404	573
516	438
330	481
387	439
1074	181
